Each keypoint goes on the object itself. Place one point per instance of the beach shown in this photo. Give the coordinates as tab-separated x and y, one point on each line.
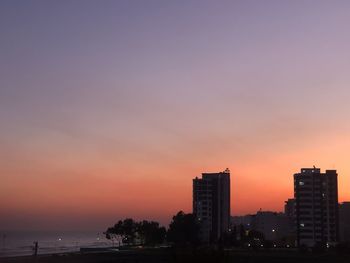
165	255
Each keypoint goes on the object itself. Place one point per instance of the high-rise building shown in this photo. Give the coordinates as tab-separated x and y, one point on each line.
316	207
211	204
344	221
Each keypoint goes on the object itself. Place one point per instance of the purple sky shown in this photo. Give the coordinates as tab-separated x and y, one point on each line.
149	94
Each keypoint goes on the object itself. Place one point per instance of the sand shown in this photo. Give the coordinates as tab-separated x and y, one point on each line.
188	255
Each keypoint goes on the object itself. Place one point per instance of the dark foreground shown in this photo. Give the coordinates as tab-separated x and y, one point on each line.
173	255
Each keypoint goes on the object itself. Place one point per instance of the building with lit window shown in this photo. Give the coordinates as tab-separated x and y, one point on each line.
211	204
289	208
273	225
245	221
316	207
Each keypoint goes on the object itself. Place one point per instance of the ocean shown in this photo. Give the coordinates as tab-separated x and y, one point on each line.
20	243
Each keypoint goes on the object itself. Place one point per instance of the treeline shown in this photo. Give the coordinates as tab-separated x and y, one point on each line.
183	230
130	232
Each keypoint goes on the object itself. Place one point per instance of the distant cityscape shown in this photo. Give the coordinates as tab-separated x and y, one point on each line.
313	217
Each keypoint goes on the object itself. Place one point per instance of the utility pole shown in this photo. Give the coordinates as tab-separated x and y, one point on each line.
36	248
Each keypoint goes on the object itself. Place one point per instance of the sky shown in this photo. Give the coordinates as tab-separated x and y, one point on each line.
109	109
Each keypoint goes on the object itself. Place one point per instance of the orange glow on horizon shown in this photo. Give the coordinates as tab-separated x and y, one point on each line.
104	193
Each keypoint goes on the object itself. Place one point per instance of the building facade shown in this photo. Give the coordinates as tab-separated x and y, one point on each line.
344	221
211	204
316	207
273	225
245	221
289	208
289	211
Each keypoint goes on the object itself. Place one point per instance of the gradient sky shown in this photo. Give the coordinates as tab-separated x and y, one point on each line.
108	109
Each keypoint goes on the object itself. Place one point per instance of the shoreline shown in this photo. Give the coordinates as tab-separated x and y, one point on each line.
173	255
82	250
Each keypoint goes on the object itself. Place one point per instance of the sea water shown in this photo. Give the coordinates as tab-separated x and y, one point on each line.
18	243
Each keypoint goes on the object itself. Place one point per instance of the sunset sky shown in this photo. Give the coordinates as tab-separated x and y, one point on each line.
109	109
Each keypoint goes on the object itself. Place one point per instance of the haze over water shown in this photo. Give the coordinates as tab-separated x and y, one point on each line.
20	243
108	110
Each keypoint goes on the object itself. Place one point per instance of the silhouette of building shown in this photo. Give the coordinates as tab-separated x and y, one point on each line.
240	225
211	204
289	208
274	226
289	211
344	221
316	207
245	221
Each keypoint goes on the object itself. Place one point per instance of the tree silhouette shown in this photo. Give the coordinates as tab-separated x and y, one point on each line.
131	232
125	229
183	230
150	232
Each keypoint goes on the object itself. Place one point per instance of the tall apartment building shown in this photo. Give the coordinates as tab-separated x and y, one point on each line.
211	204
316	207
